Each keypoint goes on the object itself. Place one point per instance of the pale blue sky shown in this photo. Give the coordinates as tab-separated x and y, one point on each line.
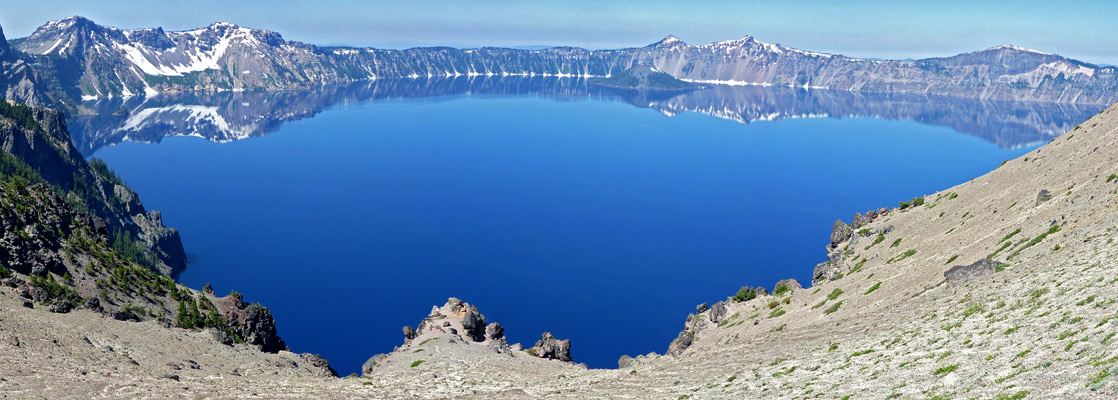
887	29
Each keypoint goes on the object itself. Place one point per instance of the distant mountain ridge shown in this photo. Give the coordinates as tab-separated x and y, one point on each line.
86	60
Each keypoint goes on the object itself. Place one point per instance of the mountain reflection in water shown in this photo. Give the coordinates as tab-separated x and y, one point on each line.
229	116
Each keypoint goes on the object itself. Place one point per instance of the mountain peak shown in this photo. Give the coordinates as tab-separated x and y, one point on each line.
1016	48
670	40
4	49
223	24
69	21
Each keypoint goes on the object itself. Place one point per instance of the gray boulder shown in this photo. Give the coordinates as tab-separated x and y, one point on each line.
409	333
1043	197
961	274
760	291
681	343
474	324
552	348
840	232
699	309
824	271
494	331
717	312
860	220
787	285
624	361
222	337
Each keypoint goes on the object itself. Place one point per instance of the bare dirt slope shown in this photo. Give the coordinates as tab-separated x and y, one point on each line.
1040	326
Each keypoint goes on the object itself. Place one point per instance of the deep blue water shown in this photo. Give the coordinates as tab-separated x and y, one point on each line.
596	220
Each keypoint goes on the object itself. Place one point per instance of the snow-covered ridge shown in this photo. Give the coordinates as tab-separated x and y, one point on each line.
1018	48
193	50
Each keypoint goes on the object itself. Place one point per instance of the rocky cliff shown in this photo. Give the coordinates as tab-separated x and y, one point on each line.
37	139
80	58
18	81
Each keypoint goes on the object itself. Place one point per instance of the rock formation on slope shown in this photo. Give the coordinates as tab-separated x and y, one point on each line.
81	58
458	323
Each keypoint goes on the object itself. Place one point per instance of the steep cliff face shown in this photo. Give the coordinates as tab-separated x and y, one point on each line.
37	138
81	58
17	79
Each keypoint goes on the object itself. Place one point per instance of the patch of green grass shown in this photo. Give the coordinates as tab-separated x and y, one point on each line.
1086	301
949	260
895	243
834	294
945	370
999	250
416	363
833	308
1036	240
858	267
872	288
1016	396
1010	235
908	253
776	312
880	238
861	353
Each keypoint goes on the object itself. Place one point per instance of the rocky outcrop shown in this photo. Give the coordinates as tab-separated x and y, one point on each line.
824	271
961	274
717	312
473	325
462	324
681	343
256	325
787	285
494	331
840	232
551	348
624	361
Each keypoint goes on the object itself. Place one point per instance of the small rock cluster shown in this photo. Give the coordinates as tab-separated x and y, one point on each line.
842	232
464	324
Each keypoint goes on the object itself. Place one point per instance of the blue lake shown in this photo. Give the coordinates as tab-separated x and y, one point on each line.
559	209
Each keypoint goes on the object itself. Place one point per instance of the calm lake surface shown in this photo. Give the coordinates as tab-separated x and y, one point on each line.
551	206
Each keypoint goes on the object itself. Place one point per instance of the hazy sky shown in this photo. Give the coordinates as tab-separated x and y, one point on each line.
887	29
